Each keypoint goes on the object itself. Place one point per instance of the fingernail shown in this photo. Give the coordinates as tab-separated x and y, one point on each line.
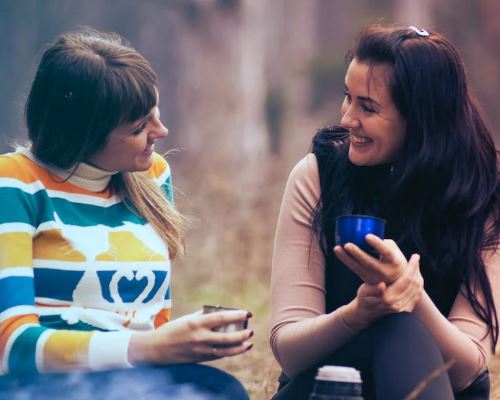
249	347
249	314
251	334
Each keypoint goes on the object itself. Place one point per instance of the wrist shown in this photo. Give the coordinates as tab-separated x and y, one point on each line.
140	349
351	318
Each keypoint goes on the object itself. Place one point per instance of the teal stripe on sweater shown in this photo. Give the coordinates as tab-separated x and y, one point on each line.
167	188
34	209
56	322
23	352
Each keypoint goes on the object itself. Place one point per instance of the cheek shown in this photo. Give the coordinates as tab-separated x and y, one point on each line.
397	142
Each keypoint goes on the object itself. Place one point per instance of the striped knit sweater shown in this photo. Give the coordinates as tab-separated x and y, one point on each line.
79	271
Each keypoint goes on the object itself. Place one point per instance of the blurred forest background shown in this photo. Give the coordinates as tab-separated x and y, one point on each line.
244	86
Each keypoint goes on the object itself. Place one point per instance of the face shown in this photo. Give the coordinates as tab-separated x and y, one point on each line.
130	146
377	129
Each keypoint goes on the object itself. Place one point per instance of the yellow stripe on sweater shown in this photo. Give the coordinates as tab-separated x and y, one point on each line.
66	350
15	249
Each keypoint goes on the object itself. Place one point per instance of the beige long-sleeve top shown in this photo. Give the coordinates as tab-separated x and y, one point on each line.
302	334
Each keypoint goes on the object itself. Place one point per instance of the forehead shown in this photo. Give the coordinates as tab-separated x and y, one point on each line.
368	78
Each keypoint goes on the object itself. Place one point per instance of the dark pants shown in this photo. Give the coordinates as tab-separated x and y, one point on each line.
394	355
183	381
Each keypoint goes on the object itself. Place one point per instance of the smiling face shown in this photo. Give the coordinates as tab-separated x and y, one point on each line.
377	129
130	146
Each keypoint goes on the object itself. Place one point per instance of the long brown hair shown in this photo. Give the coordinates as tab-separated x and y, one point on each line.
87	84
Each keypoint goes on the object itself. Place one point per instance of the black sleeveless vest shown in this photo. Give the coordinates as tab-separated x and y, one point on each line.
360	190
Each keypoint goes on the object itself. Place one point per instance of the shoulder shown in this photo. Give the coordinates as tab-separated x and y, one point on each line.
306	169
303	182
160	170
19	167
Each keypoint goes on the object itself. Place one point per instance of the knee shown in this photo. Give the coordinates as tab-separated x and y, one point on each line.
404	328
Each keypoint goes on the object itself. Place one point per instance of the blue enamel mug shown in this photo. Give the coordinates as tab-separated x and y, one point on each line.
354	228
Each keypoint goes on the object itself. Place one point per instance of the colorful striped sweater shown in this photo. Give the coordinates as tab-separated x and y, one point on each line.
79	271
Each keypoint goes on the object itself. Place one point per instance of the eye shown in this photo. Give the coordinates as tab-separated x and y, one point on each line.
347	96
367	109
140	128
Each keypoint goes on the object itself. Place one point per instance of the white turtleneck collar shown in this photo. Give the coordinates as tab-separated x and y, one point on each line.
85	176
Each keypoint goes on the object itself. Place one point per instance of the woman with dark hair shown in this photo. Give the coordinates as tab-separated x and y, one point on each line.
88	231
412	149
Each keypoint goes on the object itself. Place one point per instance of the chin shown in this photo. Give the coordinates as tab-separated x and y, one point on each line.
143	164
363	160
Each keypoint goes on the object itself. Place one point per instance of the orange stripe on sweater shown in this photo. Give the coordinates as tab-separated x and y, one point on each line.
20	167
162	317
8	327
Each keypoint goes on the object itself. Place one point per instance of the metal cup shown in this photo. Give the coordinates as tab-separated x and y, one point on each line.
232	327
354	228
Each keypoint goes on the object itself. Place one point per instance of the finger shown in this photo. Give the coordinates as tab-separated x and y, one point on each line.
221	318
414	261
214	352
403	291
387	249
371	290
360	256
362	271
345	257
228	339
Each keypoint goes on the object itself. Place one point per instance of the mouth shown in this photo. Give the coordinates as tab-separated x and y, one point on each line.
360	140
149	150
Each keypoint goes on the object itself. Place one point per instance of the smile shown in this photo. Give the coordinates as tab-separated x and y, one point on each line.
149	150
359	139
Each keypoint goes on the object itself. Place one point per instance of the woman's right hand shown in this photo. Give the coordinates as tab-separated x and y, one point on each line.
375	301
191	339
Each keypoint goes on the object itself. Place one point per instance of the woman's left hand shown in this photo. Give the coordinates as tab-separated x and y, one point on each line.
374	301
387	268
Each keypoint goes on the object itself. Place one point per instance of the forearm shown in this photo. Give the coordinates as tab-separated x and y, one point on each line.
301	344
469	355
32	348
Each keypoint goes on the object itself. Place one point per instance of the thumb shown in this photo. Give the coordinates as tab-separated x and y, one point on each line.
414	261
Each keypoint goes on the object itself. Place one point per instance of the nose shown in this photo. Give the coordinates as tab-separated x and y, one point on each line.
161	131
349	120
158	131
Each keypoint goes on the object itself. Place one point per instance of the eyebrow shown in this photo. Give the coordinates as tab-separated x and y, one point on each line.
363	98
140	122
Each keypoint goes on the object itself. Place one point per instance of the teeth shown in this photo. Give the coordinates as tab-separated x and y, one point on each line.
359	139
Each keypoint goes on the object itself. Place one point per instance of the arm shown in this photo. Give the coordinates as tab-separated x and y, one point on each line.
302	334
25	345
463	336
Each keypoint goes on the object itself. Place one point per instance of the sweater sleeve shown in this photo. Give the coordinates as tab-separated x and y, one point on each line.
301	332
464	337
26	346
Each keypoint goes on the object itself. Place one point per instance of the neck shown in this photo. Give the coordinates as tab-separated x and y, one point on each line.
84	175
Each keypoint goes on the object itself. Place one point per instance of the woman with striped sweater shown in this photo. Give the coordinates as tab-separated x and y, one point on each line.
87	235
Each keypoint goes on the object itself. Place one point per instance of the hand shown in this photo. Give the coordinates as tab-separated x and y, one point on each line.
374	301
191	339
388	268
